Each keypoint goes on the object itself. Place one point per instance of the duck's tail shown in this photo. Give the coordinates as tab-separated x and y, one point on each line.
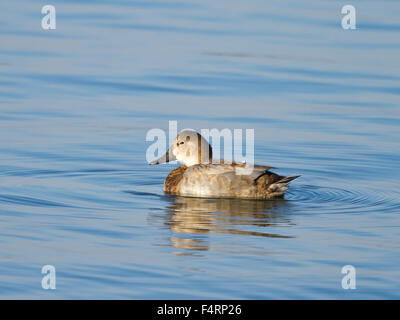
287	179
278	188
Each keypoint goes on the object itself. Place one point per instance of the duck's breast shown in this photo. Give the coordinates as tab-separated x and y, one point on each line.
173	180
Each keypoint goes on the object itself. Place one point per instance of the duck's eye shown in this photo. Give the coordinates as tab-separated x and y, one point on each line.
182	142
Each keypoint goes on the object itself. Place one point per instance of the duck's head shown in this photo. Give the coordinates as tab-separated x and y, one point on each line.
189	147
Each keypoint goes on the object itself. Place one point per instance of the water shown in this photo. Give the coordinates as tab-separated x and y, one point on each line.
76	191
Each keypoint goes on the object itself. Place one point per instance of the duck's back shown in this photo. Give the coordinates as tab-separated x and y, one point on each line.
226	181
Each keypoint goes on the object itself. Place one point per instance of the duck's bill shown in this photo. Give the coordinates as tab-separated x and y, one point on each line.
169	156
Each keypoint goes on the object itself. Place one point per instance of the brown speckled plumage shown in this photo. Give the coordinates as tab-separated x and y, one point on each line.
171	183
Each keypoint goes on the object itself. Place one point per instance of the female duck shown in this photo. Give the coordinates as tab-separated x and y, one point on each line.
200	176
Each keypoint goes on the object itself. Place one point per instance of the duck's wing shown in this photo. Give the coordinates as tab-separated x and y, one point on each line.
240	169
233	180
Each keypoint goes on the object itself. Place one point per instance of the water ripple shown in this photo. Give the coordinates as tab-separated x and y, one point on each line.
29	201
334	199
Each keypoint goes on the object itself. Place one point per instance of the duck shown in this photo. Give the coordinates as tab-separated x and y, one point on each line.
202	176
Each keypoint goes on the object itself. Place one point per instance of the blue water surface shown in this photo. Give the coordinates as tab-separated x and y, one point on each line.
76	191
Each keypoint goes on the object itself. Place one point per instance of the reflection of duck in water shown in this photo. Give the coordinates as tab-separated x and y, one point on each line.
197	217
199	177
